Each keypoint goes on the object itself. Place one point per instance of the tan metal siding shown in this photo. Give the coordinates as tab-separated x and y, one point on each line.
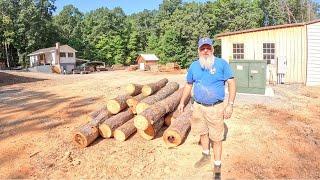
313	66
289	43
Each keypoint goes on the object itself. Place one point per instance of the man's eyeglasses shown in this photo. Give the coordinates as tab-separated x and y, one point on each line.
205	48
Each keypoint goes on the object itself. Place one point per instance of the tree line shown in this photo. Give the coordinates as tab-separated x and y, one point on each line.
109	35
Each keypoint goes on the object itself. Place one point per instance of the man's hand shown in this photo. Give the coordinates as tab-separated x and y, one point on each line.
228	111
181	107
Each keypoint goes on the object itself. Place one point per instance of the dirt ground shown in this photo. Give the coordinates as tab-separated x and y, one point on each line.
268	137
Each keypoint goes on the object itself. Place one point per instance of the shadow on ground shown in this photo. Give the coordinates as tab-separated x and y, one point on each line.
9	79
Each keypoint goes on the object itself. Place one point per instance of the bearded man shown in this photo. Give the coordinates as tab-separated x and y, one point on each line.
208	76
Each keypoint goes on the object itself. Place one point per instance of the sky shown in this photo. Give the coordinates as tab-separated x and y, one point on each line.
128	6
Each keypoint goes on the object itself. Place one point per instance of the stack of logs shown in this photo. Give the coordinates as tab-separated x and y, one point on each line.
143	109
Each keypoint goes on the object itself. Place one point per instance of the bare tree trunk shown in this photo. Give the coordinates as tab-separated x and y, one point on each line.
7	55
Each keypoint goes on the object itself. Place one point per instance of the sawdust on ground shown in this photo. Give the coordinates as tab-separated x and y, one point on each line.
38	112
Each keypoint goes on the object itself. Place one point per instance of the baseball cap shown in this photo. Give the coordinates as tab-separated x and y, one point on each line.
203	41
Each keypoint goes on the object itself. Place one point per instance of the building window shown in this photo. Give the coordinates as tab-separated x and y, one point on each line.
70	54
269	52
238	51
62	54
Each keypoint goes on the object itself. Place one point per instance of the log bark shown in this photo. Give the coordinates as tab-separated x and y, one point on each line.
170	88
153	113
95	113
152	130
133	102
178	130
107	128
151	88
134	89
123	132
118	104
102	114
173	115
87	133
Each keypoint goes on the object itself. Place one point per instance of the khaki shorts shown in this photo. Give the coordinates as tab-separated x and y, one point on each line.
208	120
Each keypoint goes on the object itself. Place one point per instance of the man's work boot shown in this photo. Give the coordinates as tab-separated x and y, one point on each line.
205	159
217	172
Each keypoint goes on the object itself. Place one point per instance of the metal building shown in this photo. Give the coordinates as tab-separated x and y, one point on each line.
292	51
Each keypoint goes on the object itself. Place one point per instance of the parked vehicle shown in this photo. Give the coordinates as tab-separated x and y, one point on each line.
88	67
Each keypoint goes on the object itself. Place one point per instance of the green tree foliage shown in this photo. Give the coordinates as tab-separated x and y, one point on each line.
68	23
171	32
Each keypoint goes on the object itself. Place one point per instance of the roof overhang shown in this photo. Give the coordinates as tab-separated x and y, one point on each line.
41	52
219	36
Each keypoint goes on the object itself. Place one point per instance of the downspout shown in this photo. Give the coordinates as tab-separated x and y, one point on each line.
306	46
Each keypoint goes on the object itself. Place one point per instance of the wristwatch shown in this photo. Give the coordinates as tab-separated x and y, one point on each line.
231	103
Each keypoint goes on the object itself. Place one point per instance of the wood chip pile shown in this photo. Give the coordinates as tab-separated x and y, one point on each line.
143	109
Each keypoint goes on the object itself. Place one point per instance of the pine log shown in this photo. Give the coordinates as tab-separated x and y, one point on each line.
134	89
87	133
95	113
107	128
153	113
152	130
133	102
178	130
101	115
123	132
151	88
118	104
173	115
170	88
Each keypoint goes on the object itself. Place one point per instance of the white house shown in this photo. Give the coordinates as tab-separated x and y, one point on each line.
59	57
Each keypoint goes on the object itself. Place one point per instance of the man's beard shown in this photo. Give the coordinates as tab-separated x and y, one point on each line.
206	62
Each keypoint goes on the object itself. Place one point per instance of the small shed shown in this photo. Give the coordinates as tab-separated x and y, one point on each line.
292	51
146	60
63	57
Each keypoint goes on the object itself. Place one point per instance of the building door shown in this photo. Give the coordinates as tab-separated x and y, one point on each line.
141	66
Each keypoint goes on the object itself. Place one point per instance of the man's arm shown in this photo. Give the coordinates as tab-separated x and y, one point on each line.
232	95
185	95
232	90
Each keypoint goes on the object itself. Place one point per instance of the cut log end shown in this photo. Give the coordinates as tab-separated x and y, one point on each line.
141	107
113	106
119	135
81	140
140	122
172	138
147	134
168	119
146	91
105	131
130	102
130	89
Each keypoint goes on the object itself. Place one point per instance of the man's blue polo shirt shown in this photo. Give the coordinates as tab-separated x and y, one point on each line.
208	86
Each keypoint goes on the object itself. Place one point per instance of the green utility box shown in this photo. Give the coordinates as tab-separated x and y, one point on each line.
250	75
